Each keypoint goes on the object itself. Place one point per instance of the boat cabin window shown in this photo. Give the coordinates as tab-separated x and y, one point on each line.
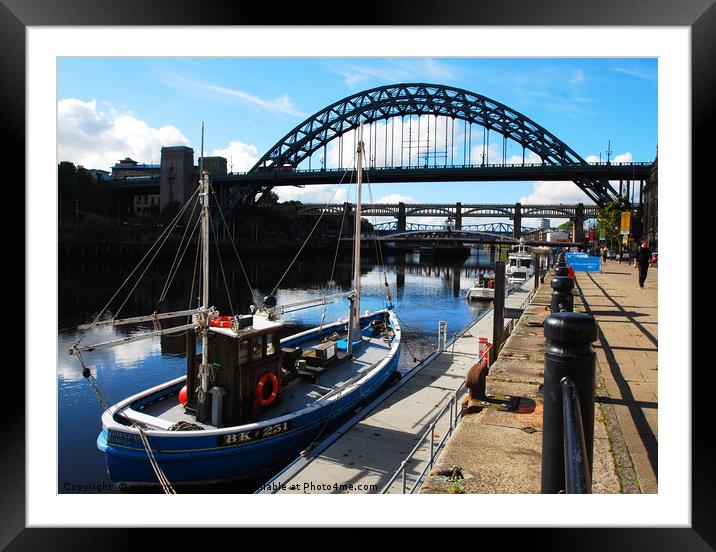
271	343
526	263
257	345
243	352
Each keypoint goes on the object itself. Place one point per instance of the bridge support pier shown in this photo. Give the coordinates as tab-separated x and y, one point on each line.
517	222
458	216
578	223
348	223
400	282
456	281
401	217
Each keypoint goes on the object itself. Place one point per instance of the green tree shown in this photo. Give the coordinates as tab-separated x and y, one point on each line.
608	219
270	198
78	188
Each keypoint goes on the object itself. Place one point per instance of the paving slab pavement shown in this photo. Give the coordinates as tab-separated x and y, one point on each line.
627	353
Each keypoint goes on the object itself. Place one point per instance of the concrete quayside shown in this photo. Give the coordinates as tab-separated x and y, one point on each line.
363	455
420	423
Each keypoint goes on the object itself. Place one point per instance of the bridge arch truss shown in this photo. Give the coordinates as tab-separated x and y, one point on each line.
401	100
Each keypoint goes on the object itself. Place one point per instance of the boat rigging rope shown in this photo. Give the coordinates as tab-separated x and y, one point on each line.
161	476
378	248
223	274
175	265
323	212
193	276
148	265
387	300
335	256
167	230
233	244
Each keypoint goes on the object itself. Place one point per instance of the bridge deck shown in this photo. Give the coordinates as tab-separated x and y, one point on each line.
449	173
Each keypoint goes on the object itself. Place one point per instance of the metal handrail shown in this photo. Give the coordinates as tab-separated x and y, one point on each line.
577	477
455	416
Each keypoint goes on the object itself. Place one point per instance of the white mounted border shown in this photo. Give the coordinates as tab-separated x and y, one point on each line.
671	507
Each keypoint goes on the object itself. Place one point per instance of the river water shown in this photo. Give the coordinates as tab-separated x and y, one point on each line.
423	293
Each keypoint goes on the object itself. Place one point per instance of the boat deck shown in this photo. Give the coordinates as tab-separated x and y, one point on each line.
298	394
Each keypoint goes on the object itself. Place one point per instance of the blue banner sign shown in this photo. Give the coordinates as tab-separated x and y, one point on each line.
581	262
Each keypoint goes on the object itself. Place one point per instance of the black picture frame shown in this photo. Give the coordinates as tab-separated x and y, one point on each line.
699	15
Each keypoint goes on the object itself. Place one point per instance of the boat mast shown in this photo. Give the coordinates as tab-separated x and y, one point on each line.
204	369
355	305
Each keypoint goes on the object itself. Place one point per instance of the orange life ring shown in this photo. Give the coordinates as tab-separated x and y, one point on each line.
268	376
222	322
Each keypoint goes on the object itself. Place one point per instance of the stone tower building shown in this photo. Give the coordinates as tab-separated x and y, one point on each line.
177	176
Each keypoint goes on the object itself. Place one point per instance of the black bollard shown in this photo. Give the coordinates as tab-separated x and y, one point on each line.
562	285
562	298
568	353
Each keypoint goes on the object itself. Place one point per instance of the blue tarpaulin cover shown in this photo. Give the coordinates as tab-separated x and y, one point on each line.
581	262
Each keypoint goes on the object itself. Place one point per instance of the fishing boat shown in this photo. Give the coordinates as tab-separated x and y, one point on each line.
520	263
250	401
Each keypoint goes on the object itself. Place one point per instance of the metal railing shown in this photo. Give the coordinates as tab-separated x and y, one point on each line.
577	476
455	413
568	406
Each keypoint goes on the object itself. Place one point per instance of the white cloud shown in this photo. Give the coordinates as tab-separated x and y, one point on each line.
321	193
395	70
281	104
97	138
396	198
550	192
637	72
619	158
240	157
623	158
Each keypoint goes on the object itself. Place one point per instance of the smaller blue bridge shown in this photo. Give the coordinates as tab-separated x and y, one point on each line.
496	228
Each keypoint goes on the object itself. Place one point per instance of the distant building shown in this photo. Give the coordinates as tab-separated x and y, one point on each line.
99	174
557	236
544	224
126	168
147	189
650	207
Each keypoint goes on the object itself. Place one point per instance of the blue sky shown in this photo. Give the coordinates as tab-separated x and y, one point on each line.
113	107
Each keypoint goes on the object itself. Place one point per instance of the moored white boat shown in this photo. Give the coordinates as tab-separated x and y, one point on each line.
520	264
482	290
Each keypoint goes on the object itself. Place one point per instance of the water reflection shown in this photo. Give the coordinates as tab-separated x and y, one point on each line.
422	293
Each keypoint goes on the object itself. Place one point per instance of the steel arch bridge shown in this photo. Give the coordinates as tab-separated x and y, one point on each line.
401	100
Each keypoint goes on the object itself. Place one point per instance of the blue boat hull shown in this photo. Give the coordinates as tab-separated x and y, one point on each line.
204	457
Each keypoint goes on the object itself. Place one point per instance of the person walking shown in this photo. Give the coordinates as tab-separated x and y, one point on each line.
604	259
643	257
